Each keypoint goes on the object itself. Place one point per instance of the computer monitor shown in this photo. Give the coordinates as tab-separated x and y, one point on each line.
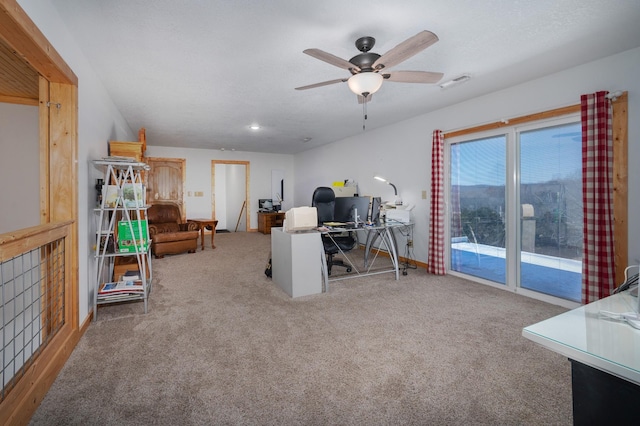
300	219
346	207
375	209
265	204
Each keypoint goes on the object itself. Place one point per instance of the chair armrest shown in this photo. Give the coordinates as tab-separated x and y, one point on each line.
153	230
189	226
161	228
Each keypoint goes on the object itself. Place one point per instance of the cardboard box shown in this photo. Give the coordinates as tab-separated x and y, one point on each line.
127	240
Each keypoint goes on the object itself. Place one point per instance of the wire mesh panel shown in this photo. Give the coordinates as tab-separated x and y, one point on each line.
32	307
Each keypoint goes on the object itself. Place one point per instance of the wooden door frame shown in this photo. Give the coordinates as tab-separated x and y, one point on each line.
246	190
58	159
183	166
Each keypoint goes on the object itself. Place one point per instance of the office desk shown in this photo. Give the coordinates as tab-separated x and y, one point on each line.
604	355
372	232
299	263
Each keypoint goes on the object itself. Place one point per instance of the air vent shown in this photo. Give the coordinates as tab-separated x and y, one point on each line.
455	81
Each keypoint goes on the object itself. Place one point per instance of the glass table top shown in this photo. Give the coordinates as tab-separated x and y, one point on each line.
587	335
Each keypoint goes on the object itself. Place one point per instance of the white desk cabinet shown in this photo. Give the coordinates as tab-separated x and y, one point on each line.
297	260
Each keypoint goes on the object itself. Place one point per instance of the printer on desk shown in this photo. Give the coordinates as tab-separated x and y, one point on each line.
399	213
403	216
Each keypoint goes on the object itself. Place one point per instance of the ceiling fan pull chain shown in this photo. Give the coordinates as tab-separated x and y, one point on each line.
364	114
364	109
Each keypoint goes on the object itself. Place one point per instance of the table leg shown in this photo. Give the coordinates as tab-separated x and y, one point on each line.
202	226
213	233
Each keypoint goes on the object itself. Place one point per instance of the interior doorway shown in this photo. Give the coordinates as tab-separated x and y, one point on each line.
230	195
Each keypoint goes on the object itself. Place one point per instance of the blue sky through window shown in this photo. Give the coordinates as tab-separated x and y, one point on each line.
555	152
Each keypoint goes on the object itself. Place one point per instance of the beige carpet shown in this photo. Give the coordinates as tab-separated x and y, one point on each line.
222	345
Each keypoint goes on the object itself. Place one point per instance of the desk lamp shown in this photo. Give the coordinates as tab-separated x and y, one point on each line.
398	200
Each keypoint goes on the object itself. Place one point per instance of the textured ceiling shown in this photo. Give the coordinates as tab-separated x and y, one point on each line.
198	73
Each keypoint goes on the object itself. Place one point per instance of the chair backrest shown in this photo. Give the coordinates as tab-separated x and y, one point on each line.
324	199
163	213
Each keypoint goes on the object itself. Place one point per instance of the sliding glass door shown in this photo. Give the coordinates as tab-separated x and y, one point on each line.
478	205
550	194
515	208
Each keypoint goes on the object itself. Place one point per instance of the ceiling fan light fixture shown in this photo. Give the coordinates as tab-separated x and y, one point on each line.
365	82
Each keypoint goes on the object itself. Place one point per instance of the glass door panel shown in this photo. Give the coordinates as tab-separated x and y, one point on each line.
551	210
477	200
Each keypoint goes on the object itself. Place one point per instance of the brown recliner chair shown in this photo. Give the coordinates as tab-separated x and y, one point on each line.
167	232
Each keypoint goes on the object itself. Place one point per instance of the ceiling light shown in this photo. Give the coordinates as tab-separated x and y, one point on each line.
454	81
365	83
254	127
305	140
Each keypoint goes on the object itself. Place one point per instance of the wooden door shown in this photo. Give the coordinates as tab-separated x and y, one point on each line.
166	181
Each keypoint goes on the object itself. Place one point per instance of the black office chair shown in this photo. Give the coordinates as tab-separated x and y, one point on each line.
324	200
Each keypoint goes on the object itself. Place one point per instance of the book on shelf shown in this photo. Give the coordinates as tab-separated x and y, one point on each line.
121	287
108	241
130	275
110	196
114	297
133	195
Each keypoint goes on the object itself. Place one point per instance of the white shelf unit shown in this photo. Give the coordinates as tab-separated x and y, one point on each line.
122	209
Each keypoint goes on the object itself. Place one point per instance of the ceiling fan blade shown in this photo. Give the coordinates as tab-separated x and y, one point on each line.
413	76
324	83
361	98
330	59
406	49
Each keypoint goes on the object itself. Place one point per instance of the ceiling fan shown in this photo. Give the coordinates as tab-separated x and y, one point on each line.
369	69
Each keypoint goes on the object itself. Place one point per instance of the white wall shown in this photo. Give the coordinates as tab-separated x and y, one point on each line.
198	164
236	187
19	167
402	152
98	122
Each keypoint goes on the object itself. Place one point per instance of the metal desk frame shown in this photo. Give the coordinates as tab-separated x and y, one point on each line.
385	233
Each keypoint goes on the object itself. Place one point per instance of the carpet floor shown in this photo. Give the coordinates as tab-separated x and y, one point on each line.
221	344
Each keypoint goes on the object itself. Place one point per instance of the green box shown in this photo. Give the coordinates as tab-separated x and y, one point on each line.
127	240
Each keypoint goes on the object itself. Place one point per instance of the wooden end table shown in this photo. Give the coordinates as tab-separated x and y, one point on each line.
202	224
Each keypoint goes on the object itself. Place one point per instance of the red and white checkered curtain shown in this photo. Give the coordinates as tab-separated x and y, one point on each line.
436	218
597	192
